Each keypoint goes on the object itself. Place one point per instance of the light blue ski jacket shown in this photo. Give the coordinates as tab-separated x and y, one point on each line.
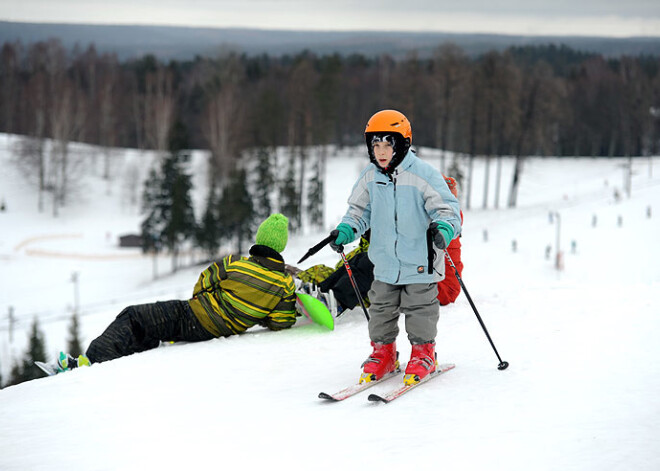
399	211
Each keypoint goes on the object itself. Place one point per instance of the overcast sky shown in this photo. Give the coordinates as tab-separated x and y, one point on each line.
528	17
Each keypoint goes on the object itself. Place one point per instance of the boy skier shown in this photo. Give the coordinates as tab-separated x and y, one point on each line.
400	197
333	287
230	296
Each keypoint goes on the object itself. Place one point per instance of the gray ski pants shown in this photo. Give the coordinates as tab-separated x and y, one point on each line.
418	302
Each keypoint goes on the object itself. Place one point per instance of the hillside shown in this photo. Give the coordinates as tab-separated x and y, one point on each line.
580	394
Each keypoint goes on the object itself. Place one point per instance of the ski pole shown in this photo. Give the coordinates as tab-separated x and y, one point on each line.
323	243
503	364
340	250
350	277
317	247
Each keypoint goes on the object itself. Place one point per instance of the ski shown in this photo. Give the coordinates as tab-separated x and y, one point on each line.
400	391
356	388
46	368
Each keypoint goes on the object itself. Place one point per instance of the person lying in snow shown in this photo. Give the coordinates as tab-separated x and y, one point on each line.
229	297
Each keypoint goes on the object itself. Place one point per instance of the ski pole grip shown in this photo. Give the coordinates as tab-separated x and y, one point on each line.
339	248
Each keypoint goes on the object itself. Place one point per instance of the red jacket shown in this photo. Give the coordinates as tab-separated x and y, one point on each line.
450	288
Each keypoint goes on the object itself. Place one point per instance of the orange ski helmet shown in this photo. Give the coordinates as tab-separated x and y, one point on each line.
394	127
390	121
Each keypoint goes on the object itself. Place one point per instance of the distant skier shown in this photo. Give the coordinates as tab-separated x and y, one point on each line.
400	197
230	296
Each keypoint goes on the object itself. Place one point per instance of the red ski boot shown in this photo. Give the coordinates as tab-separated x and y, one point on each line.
384	359
422	362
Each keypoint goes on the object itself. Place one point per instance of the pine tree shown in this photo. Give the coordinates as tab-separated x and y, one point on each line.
15	374
236	212
73	342
150	202
25	370
181	225
315	196
36	352
264	183
210	231
289	197
167	202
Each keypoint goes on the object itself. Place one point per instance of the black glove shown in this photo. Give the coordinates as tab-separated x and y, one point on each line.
442	234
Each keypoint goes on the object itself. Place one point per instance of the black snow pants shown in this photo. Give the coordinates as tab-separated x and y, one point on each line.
143	327
340	283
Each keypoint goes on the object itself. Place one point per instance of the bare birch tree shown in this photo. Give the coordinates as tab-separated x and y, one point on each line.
107	107
302	84
159	101
474	127
67	119
538	108
222	122
500	84
448	73
38	98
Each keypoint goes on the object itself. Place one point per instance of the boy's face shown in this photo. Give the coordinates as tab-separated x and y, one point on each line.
383	151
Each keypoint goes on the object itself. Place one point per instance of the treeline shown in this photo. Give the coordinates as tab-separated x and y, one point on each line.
525	101
532	101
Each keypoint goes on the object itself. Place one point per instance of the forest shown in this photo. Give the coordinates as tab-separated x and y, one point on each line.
536	100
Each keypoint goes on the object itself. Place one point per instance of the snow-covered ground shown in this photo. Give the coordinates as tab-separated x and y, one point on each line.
582	391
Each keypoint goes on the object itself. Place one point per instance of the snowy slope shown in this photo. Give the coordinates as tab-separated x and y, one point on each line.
581	392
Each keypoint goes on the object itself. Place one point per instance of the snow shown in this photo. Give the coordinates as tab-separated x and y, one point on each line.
581	392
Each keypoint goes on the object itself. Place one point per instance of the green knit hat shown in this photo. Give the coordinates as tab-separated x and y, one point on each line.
274	232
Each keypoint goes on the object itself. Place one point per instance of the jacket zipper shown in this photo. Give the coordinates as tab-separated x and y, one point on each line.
396	230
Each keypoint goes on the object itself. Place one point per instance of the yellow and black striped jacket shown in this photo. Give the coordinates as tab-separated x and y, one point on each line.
238	292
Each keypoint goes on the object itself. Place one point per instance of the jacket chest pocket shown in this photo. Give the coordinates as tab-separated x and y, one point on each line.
412	219
383	205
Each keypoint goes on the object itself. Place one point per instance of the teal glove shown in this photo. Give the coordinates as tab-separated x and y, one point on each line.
442	233
344	234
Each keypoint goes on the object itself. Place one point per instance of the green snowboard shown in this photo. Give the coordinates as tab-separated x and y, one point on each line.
315	310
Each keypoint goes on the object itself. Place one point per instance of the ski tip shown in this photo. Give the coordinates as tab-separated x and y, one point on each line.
377	398
327	397
46	368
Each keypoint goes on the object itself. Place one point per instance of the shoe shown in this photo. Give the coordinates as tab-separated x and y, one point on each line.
304	287
83	361
329	300
66	362
384	359
297	283
422	363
